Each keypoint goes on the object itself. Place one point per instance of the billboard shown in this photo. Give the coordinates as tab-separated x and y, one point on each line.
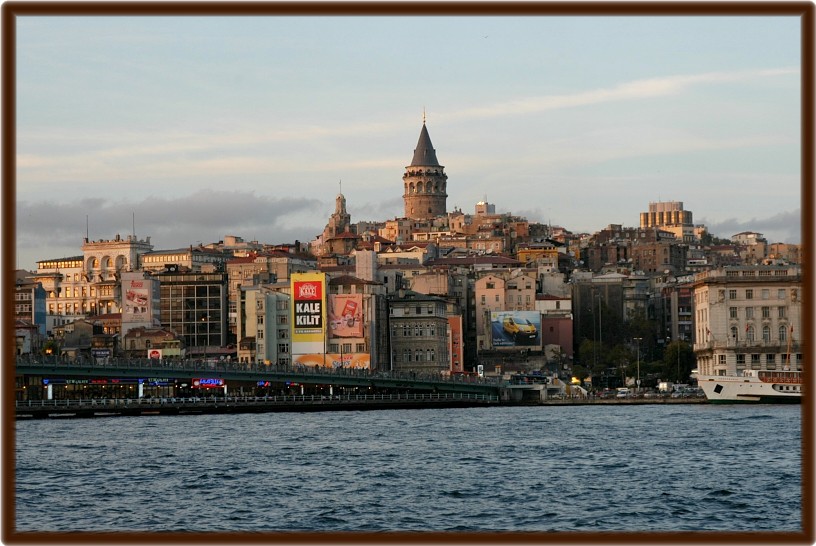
456	343
137	297
516	328
308	315
334	360
346	315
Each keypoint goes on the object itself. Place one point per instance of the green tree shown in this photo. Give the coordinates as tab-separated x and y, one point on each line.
678	361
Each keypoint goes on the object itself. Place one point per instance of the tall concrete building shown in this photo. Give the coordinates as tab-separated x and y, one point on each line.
669	216
425	182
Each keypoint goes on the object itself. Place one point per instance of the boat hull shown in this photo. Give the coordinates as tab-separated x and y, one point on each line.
748	390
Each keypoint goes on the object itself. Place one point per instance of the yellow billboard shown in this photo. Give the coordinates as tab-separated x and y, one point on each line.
308	313
334	360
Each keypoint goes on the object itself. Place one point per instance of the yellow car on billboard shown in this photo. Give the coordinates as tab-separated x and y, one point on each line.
519	329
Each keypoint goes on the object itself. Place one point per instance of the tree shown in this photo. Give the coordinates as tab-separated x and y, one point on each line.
678	361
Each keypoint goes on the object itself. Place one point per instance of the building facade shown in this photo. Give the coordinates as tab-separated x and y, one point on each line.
419	333
748	317
194	305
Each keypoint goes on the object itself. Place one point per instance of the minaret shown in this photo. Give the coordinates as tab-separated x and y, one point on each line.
425	181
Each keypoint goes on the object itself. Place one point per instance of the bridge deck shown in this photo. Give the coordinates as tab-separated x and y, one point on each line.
254	404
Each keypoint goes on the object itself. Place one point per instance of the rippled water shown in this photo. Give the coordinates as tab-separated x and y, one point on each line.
585	468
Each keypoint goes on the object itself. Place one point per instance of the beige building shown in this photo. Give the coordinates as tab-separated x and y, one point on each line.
489	292
670	216
88	284
260	268
747	317
263	330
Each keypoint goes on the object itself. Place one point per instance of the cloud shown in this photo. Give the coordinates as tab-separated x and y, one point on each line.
784	227
634	90
205	216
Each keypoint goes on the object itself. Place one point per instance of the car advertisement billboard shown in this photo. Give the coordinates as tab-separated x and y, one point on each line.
308	318
334	360
516	328
346	315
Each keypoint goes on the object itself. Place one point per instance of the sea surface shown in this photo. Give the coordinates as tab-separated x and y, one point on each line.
577	468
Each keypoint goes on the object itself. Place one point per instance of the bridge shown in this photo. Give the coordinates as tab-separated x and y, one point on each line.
35	374
39	409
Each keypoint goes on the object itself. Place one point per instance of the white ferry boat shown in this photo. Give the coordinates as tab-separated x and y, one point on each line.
765	387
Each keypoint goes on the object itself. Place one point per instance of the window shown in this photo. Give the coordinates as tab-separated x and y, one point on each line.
346	348
783	333
749	334
334	347
766	334
749	294
780	294
732	312
732	294
749	312
781	313
283	348
497	298
722	360
361	348
483	299
740	361
766	294
770	361
766	312
755	361
491	285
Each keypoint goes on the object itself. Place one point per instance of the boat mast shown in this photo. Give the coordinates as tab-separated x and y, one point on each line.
787	358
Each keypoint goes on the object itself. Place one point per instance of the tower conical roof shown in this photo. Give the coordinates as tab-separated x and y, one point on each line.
424	154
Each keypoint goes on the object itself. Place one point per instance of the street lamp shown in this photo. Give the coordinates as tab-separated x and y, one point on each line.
638	340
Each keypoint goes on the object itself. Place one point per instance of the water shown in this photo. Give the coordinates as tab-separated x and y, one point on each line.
583	468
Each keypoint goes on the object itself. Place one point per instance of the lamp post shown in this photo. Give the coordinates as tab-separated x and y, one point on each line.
638	340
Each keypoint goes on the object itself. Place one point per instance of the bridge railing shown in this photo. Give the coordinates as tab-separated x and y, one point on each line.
90	403
199	366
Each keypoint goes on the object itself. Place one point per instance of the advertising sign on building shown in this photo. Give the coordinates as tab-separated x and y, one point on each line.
136	300
334	360
154	353
519	329
455	343
346	315
308	292
207	383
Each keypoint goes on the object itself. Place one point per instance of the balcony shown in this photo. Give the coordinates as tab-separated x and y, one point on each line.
749	346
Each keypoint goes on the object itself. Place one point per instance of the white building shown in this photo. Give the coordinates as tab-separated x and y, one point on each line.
747	317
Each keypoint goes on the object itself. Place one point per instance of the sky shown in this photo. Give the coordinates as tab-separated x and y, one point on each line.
187	129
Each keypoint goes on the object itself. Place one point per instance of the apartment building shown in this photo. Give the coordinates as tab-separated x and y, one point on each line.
420	341
263	330
88	284
29	301
748	317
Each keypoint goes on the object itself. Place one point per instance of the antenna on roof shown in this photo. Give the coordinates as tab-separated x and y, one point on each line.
86	227
341	186
134	224
423	115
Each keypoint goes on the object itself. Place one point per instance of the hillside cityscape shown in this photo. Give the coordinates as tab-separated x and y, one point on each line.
435	291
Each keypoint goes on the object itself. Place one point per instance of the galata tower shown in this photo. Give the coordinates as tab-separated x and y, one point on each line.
425	182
